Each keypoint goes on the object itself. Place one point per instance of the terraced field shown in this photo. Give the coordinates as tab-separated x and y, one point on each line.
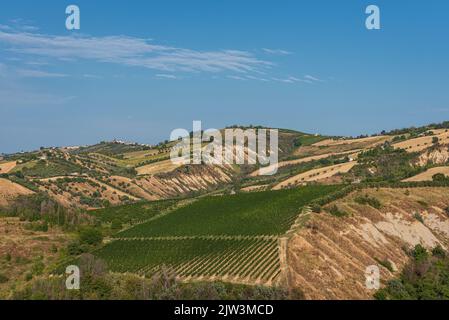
228	238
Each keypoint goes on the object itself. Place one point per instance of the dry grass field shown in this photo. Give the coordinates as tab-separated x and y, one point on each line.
158	167
368	140
427	175
316	174
353	154
10	190
7	166
422	143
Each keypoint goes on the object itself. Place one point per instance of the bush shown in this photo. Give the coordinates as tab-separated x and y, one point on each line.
316	208
367	200
386	264
418	217
335	211
425	277
420	253
438	251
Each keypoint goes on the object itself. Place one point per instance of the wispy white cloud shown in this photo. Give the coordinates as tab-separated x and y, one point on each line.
311	78
237	78
130	51
277	51
306	79
92	76
167	76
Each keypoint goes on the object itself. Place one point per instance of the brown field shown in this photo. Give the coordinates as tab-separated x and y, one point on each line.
10	190
25	249
340	146
353	154
427	175
158	167
316	174
7	166
422	143
369	140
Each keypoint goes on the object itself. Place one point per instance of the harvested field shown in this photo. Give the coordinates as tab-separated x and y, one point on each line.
422	143
368	140
353	154
7	166
427	175
158	167
316	174
10	190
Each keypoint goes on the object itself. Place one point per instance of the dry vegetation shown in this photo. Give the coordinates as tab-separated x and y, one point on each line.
316	175
428	174
328	256
10	190
24	253
7	166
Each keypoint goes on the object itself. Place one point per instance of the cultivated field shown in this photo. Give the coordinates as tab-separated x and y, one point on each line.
353	154
427	175
10	190
231	238
158	167
260	213
369	140
7	166
316	174
236	260
421	143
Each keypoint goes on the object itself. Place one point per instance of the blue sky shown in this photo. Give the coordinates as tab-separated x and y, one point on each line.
138	71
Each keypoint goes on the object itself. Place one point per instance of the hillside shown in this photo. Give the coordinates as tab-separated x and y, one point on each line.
335	206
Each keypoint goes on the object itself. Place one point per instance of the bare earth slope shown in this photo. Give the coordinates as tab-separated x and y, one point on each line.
328	256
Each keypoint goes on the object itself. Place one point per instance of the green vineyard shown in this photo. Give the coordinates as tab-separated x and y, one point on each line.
239	260
230	238
133	213
258	213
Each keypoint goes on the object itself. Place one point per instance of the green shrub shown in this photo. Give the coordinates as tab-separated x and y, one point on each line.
367	200
316	208
386	264
335	211
418	217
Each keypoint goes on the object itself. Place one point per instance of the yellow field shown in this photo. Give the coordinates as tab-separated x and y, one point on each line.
158	167
421	143
427	175
353	154
316	174
7	166
332	142
10	190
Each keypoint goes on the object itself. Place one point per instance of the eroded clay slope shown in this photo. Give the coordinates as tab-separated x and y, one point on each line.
327	257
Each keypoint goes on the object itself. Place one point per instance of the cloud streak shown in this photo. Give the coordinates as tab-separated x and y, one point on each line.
130	51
